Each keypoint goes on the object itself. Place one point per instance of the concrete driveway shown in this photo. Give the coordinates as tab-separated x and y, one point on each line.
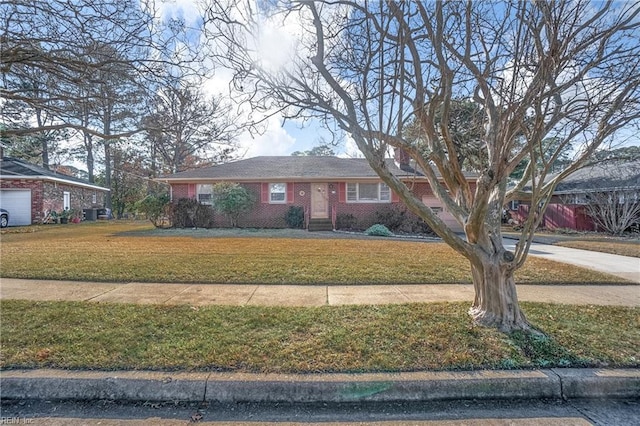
621	266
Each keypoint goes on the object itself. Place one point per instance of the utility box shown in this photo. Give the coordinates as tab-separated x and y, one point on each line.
90	214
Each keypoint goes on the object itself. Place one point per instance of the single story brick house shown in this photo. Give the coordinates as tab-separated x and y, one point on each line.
325	187
29	191
568	206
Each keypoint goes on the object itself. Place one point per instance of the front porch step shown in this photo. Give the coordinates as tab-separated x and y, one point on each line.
320	225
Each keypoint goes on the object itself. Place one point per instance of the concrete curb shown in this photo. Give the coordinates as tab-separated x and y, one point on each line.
238	387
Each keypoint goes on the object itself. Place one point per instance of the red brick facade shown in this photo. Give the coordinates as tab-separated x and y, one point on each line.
561	216
268	215
47	195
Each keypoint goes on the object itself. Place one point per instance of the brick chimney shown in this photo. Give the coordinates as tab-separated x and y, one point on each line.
401	158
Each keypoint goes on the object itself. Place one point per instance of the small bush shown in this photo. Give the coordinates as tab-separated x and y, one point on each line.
189	213
419	226
232	200
394	218
399	220
204	217
346	222
295	217
154	207
378	230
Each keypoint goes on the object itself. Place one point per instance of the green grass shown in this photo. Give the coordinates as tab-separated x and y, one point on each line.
412	337
125	251
623	248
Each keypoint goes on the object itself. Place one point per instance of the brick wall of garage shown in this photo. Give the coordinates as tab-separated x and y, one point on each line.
36	188
80	197
47	196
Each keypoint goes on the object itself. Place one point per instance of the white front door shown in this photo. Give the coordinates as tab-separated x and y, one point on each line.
319	201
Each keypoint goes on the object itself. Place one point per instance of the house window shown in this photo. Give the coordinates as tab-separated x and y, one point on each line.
204	194
94	198
277	193
66	200
580	199
368	193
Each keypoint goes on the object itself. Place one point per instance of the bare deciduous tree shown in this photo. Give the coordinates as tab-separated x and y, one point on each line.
188	129
537	70
614	211
95	59
613	193
69	44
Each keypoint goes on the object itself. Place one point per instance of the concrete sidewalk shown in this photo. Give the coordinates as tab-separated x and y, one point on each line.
301	295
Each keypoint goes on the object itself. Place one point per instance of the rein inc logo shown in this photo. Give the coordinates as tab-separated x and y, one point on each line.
15	421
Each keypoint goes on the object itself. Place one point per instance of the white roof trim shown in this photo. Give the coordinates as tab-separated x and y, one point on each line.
53	179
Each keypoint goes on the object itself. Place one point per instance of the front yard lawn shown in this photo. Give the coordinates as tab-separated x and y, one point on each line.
630	248
127	251
411	337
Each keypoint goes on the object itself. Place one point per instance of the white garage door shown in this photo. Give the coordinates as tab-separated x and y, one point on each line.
18	203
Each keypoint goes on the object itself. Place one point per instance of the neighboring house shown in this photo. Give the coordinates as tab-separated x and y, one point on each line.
568	206
29	192
325	187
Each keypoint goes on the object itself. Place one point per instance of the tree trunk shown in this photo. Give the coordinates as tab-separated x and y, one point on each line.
88	144
107	173
107	157
496	300
44	140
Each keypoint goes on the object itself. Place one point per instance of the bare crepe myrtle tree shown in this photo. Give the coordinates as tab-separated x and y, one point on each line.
612	198
563	69
614	211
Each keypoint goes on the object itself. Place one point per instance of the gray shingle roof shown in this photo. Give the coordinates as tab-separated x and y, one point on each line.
299	168
608	174
16	168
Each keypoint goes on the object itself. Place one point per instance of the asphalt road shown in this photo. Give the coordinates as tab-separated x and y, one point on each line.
519	412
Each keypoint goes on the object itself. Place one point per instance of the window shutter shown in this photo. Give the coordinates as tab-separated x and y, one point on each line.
191	191
290	193
342	192
264	192
394	197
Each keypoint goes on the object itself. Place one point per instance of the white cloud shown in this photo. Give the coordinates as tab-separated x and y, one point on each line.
350	149
273	141
186	10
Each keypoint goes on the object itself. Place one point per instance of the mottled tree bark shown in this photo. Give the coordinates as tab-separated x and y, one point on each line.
496	300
